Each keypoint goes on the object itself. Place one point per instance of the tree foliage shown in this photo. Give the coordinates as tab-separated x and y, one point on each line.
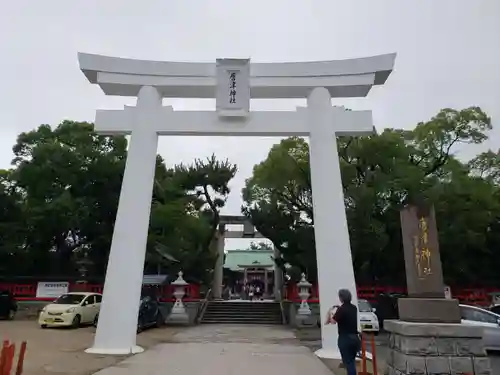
380	174
60	197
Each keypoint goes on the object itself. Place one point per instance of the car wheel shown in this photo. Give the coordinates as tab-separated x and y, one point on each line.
96	320
12	314
376	333
44	326
76	321
159	320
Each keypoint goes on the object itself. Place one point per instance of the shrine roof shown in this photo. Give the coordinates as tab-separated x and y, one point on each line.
257	258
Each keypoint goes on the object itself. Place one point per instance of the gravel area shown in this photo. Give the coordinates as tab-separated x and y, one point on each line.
61	351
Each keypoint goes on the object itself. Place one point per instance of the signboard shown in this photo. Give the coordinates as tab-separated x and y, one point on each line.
233	87
51	289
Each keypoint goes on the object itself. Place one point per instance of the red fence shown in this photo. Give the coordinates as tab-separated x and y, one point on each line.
27	292
472	296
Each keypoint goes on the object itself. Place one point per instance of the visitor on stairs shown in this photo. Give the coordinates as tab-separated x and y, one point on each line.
346	318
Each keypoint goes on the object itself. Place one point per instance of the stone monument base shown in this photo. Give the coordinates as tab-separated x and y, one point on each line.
178	318
435	348
429	310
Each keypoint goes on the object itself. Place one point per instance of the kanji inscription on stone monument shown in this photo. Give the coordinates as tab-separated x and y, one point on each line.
424	275
421	249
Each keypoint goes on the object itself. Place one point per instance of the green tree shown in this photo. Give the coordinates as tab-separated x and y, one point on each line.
69	180
380	174
60	198
186	213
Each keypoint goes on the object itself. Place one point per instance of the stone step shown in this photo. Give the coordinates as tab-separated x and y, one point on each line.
240	321
242	312
233	313
248	311
232	307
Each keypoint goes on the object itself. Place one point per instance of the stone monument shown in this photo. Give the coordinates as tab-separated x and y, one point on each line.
426	300
429	337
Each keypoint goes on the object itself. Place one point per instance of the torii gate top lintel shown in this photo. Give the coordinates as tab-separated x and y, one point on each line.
342	78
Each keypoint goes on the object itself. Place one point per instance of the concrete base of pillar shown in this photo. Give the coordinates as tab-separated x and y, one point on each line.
435	348
305	320
328	353
115	351
178	318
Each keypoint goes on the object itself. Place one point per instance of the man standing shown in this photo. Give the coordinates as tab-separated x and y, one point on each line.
346	318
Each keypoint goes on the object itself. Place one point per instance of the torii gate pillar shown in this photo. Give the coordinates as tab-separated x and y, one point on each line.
236	81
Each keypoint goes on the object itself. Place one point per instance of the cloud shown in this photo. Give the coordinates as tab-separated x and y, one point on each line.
448	56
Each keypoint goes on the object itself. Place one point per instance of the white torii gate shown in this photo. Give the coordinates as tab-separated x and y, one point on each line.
232	82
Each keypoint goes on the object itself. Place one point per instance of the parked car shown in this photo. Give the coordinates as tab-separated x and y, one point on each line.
495	309
8	305
488	320
367	317
150	314
71	310
387	307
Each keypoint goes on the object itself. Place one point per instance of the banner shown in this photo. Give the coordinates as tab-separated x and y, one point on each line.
51	289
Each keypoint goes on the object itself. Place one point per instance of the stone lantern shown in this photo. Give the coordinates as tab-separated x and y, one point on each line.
178	314
304	293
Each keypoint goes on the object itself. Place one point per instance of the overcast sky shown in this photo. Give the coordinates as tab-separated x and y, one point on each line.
448	56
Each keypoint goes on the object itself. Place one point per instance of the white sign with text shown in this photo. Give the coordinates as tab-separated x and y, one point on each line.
233	87
51	289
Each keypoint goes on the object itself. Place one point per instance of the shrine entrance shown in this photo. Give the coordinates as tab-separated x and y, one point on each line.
232	82
260	269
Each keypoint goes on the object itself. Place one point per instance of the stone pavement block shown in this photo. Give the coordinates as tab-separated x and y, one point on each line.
460	365
437	365
446	346
415	365
482	366
418	345
221	359
470	347
399	361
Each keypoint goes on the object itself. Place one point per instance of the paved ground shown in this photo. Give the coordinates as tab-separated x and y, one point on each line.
225	350
311	337
60	351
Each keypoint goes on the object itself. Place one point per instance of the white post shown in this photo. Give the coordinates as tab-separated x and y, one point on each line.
117	327
333	251
219	263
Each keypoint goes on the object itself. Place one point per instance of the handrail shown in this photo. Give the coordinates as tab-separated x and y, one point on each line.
204	306
282	308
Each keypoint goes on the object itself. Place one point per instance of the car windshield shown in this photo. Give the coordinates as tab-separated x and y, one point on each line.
70	299
364	306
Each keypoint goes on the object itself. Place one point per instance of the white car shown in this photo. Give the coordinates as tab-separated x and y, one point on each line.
71	310
490	321
367	317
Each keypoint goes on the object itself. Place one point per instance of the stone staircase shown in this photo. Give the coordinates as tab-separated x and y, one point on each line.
242	312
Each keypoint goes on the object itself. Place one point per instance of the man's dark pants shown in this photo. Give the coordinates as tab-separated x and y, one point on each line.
349	346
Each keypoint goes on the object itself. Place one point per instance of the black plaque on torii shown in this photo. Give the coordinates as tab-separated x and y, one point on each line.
424	275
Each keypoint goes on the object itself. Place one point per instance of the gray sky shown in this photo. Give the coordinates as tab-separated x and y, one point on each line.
448	56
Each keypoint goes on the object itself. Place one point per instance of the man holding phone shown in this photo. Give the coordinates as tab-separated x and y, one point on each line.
346	318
